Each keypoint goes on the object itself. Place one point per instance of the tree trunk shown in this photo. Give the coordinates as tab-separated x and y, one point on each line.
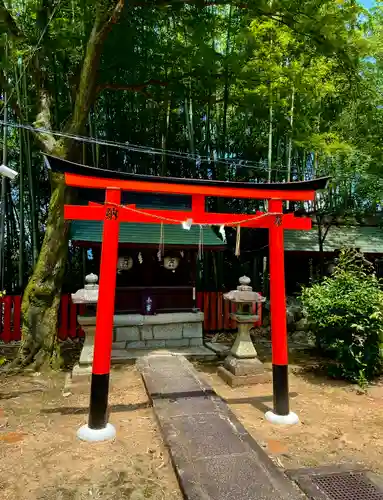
42	295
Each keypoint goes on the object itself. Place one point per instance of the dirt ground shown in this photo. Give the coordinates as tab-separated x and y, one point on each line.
41	458
339	423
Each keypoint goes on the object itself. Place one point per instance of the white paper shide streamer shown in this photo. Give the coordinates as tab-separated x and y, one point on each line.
222	232
187	224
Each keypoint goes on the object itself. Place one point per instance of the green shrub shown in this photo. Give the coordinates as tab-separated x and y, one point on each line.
346	311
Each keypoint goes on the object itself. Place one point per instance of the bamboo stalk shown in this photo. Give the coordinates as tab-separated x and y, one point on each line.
31	184
3	186
21	191
290	143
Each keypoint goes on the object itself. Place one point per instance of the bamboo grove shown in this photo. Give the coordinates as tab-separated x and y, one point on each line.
265	90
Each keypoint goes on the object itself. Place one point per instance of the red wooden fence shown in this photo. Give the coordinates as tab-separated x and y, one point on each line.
216	309
10	318
217	312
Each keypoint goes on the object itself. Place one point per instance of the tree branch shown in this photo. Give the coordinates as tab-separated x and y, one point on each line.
4	84
138	87
135	87
43	120
106	16
141	87
7	20
46	142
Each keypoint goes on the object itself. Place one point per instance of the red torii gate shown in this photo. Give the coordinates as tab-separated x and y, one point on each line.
112	212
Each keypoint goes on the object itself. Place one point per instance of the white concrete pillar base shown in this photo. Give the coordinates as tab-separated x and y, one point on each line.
290	419
85	433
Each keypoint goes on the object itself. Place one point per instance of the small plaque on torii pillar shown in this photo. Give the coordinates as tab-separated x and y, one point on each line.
242	366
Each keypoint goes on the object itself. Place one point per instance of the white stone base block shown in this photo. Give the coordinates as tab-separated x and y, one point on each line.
290	419
85	433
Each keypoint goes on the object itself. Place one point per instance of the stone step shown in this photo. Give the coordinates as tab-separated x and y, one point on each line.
197	353
158	344
121	356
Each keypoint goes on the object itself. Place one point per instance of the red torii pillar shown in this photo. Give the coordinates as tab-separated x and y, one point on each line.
112	213
98	419
281	413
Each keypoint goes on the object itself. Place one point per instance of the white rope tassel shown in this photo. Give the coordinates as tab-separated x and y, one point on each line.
238	242
200	243
161	246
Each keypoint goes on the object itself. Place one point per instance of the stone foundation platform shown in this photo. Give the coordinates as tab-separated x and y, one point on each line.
161	330
135	335
242	380
243	371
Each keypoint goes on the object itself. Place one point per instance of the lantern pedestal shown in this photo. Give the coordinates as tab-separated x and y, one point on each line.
87	296
238	372
242	366
251	377
243	347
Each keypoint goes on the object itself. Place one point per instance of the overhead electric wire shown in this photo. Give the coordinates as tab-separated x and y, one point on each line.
128	146
142	149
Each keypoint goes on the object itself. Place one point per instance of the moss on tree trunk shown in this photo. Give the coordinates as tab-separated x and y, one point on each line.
42	295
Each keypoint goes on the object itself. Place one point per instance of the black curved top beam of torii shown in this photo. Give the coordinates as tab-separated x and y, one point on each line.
107	178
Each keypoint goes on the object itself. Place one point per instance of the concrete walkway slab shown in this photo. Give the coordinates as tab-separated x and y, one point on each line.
214	456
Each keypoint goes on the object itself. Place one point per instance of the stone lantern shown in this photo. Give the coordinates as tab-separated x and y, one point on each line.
242	366
87	296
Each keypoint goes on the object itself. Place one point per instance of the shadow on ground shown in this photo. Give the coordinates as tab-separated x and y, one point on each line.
70	352
73	410
308	364
257	402
17	394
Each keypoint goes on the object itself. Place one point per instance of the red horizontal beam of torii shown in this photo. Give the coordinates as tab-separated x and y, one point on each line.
146	186
112	212
131	214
